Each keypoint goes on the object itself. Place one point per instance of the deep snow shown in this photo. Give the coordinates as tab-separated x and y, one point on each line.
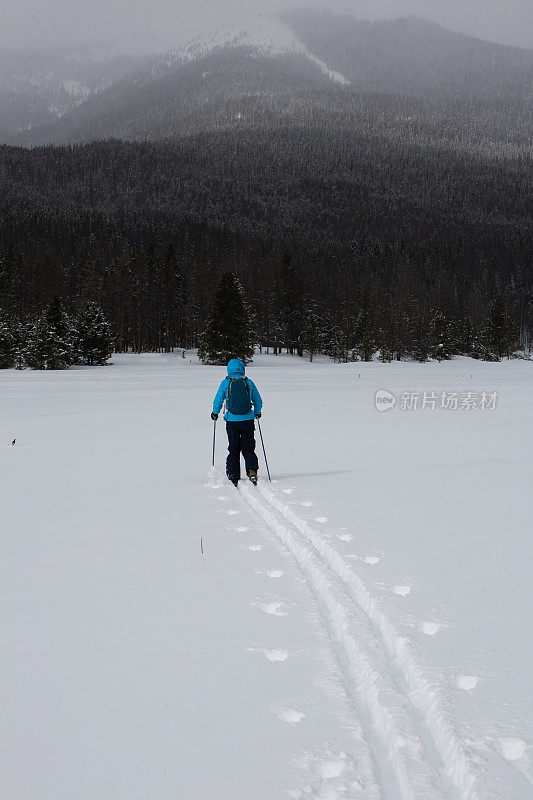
363	625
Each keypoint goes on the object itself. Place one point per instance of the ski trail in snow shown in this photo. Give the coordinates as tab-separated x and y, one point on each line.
421	693
391	735
362	772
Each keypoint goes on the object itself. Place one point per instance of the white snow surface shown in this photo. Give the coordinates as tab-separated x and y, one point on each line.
358	628
265	33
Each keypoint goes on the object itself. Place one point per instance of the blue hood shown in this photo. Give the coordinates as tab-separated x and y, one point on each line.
235	368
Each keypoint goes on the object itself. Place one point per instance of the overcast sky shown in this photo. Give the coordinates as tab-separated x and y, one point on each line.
162	24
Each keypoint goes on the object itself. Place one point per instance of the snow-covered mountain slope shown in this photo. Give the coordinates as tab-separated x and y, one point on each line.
267	34
360	629
38	87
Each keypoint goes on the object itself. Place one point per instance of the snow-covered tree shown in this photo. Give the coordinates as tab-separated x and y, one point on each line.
418	335
365	341
440	337
386	344
503	338
228	333
312	335
7	344
21	331
51	340
480	347
464	334
45	349
94	339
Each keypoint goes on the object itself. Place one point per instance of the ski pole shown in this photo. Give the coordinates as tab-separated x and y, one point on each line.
264	451
214	434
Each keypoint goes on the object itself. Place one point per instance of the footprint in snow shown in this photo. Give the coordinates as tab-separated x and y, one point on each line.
331	768
345	537
276	655
274	608
372	560
275	573
335	773
512	749
467	682
307	503
429	628
240	529
255	547
288	491
321	520
232	512
402	591
291	715
223	498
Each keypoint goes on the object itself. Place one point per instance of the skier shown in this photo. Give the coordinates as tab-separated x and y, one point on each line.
240	395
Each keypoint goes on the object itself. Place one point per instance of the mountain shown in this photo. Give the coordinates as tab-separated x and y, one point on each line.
331	172
208	84
307	65
412	56
37	87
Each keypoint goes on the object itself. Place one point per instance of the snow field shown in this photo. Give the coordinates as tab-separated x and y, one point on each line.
369	680
360	631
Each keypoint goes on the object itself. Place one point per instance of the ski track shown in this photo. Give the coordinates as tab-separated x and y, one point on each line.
401	776
408	732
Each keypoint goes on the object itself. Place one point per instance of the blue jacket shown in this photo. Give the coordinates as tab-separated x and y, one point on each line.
236	370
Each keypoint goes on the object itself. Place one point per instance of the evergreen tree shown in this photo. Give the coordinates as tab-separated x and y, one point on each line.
21	333
228	333
365	342
440	337
175	300
419	337
502	334
7	344
481	348
289	303
465	335
312	335
337	344
386	346
64	328
51	340
45	349
95	342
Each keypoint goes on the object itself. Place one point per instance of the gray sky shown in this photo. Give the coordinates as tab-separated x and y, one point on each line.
161	24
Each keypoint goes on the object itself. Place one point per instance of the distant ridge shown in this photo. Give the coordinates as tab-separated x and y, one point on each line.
289	70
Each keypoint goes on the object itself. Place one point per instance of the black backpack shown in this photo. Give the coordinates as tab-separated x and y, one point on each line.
238	397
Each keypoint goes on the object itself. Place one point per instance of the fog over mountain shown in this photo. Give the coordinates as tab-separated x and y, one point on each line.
269	70
144	26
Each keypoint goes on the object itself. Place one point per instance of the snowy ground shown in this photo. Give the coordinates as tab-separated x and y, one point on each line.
363	626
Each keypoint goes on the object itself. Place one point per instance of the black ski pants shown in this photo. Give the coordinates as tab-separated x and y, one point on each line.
241	440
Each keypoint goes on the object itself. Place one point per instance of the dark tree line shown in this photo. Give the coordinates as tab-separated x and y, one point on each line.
372	238
229	333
